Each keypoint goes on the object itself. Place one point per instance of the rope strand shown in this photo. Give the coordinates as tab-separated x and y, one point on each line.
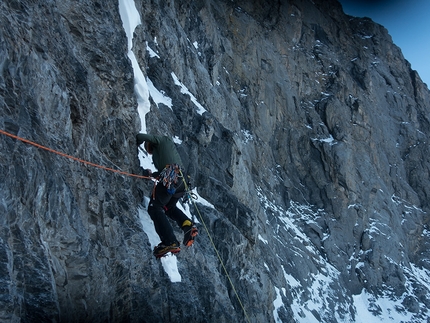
72	157
218	254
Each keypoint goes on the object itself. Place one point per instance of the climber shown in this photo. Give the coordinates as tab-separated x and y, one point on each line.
169	189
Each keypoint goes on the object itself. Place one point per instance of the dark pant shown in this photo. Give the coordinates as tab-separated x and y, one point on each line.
163	205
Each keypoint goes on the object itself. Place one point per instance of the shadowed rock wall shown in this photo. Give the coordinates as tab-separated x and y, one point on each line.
313	151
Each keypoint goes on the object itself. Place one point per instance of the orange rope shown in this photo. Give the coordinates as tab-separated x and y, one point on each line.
71	157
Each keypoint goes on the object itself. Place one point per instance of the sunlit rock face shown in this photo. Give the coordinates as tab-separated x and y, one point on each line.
304	131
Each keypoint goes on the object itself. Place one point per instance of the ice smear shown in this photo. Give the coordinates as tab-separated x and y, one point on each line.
130	18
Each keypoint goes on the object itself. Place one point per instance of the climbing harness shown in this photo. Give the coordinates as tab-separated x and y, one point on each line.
171	175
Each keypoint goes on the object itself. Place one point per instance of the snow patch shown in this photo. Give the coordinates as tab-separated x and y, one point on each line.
382	309
184	90
262	239
176	140
330	140
277	304
201	200
247	136
158	96
151	52
294	283
169	262
131	19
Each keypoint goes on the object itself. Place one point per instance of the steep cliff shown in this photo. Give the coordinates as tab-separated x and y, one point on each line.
305	132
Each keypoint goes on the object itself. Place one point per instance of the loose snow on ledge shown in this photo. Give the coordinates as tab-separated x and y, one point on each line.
184	90
158	96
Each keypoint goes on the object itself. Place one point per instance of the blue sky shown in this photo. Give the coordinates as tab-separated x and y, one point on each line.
408	23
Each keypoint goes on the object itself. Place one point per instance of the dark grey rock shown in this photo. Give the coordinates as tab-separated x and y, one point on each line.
314	152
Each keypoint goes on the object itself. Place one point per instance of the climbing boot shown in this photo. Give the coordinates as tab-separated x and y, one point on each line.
161	250
190	232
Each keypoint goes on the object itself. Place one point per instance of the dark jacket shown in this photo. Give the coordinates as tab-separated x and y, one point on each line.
163	150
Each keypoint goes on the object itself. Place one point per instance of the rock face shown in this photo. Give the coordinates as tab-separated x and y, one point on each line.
313	151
